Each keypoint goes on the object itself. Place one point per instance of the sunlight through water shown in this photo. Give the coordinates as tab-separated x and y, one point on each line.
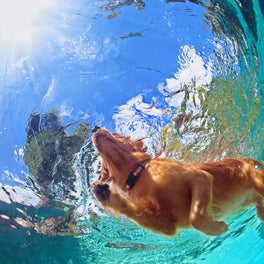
19	20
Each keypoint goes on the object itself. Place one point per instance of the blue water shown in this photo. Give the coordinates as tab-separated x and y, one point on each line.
187	75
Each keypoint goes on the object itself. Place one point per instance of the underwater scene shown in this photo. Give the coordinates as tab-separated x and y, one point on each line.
186	76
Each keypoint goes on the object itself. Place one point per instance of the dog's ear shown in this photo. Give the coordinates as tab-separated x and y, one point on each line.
123	139
139	145
116	135
132	145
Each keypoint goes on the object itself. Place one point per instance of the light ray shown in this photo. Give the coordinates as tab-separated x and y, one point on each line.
19	20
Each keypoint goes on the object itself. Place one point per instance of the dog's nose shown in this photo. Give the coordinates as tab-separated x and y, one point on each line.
95	129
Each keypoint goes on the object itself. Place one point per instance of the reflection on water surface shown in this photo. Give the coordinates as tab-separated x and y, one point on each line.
187	75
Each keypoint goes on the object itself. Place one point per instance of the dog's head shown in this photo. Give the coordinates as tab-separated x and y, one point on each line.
119	153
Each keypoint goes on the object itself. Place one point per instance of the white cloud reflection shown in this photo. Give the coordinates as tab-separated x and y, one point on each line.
193	69
138	119
50	94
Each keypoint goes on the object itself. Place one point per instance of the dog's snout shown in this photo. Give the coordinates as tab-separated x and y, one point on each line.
95	129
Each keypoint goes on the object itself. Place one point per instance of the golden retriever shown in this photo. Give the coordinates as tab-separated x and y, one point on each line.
163	195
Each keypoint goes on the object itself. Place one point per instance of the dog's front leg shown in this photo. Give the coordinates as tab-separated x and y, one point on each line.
150	218
109	198
201	213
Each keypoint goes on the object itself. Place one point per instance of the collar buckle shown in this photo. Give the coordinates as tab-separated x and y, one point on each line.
131	180
133	176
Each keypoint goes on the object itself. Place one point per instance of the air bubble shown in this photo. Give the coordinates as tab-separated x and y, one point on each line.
258	167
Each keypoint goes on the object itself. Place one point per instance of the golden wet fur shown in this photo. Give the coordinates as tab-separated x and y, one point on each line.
171	194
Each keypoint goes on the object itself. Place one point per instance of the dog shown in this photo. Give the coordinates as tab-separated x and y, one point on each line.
164	195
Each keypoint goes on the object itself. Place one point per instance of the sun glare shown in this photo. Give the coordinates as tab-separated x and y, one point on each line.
19	20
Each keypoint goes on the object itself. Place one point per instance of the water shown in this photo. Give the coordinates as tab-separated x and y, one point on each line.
188	75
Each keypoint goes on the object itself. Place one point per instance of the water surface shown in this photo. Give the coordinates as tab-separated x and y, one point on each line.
187	75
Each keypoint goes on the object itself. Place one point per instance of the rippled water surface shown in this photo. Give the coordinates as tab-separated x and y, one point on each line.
187	75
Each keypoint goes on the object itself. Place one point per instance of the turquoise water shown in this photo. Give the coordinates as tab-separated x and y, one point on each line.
187	75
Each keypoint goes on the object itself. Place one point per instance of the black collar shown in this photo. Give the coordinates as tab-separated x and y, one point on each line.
133	176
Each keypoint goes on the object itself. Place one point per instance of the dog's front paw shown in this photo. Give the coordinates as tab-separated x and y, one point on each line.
101	191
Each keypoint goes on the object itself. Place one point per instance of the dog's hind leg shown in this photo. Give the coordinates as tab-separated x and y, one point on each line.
260	208
255	172
260	212
201	215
